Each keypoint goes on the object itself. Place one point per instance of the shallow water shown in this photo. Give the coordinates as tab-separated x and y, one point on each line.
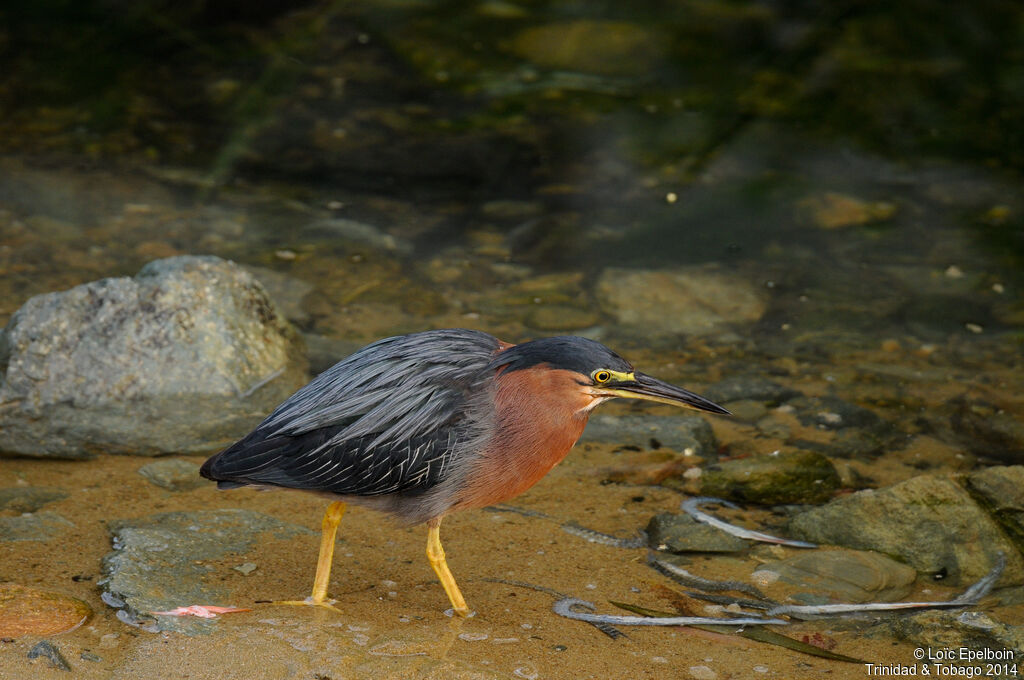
839	189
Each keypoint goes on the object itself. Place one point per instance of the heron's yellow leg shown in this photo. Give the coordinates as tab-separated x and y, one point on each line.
435	553
329	530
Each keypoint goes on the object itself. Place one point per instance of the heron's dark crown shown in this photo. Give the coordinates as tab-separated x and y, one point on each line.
568	352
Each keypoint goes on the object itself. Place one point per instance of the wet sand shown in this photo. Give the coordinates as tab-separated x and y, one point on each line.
392	622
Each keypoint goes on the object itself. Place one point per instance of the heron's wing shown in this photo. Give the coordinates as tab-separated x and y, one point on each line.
385	420
352	467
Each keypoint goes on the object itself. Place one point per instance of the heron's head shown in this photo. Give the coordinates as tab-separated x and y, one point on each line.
597	371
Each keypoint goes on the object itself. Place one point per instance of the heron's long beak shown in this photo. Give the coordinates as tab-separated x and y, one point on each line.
645	387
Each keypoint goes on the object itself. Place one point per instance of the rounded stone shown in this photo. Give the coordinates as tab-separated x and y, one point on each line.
692	300
31	611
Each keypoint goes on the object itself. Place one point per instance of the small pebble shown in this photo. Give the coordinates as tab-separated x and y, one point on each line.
764	577
830	418
286	255
505	641
245	568
473	637
760	669
526	626
671	197
954	272
973	327
702	673
89	656
658	659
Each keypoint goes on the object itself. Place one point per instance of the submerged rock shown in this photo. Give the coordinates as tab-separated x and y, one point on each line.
31	611
691	435
1001	491
325	351
173	475
555	318
39	526
858	432
29	498
692	300
988	430
835	211
833	413
682	533
156	564
928	522
846	575
953	630
772	479
358	233
286	291
185	357
615	48
749	388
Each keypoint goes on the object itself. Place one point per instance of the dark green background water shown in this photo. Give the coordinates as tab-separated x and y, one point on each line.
845	154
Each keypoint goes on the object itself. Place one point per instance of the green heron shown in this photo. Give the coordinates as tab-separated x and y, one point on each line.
425	424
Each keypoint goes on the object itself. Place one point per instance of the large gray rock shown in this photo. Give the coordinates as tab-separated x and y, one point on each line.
157	563
185	357
929	522
693	300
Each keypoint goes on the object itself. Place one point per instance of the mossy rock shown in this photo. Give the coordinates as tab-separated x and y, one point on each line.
777	478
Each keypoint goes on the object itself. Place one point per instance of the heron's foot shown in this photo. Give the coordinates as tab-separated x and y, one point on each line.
464	612
312	602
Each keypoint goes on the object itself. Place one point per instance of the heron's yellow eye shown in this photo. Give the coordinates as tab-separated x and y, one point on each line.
602	376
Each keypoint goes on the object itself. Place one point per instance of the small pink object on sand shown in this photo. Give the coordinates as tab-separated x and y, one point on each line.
202	611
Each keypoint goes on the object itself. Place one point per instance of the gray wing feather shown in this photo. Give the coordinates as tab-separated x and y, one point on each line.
386	419
393	387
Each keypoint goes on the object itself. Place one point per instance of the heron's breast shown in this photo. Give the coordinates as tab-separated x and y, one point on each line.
539	415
